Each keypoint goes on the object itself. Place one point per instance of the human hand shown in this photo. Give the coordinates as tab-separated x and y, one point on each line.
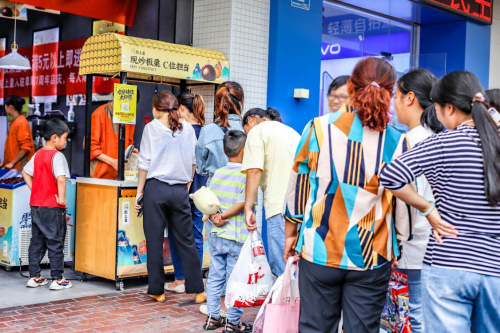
441	228
217	220
250	220
135	151
60	201
9	166
394	263
114	163
137	207
289	251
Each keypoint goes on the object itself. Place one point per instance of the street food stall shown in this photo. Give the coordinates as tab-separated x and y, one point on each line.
110	241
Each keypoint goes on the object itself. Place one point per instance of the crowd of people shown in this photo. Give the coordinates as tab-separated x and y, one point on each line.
351	197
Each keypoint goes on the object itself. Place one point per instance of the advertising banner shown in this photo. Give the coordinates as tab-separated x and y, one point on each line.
44	66
102	26
3	42
180	65
13	10
6	228
124	110
40	9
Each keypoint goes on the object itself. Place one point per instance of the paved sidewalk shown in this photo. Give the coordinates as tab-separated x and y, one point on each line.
128	311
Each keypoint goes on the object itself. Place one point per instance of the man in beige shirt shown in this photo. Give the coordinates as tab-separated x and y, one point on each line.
268	159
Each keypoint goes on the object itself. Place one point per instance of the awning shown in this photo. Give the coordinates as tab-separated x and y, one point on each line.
151	60
119	11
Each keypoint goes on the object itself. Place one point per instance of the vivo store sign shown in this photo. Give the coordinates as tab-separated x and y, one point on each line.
356	46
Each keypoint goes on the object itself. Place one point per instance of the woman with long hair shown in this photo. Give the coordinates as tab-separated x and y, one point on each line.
461	271
192	110
19	146
349	221
166	169
228	109
416	110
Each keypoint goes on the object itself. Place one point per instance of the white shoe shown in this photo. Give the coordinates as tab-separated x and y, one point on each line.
204	310
180	289
60	284
36	282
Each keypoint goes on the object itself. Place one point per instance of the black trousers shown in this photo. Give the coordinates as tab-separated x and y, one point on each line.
326	291
168	205
48	231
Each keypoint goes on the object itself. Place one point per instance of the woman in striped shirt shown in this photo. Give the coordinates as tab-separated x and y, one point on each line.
461	271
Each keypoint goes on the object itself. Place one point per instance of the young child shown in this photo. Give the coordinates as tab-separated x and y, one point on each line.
45	174
227	235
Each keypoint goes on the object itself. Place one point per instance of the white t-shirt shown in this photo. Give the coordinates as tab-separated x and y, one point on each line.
59	165
414	250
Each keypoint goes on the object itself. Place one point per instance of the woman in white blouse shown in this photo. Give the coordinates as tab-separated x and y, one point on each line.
166	168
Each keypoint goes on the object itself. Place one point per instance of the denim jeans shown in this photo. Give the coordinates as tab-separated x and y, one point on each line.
276	243
48	231
457	301
223	256
415	294
198	237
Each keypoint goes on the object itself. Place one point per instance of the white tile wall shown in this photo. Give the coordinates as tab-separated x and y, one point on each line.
240	30
495	49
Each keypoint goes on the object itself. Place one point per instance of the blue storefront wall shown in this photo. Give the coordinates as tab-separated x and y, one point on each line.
294	60
295	53
465	43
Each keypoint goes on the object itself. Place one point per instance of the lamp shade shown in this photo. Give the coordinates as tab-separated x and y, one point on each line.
14	60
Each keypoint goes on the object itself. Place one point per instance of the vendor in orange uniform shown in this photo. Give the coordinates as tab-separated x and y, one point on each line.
104	142
19	146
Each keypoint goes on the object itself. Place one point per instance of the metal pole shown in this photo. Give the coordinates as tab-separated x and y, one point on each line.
88	126
183	86
121	139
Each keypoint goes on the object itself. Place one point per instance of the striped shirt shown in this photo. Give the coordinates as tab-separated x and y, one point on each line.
228	184
452	162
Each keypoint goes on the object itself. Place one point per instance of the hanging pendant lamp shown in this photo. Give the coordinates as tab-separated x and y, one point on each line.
14	60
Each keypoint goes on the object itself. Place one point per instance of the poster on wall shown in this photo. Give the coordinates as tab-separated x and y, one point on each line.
102	26
3	43
45	65
13	10
125	104
6	227
45	10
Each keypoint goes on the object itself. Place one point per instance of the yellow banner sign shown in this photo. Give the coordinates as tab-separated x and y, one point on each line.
125	104
102	26
178	63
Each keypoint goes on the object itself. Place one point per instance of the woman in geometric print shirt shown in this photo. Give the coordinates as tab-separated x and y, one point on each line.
349	223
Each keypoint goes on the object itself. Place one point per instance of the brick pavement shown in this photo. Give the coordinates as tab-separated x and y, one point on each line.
128	311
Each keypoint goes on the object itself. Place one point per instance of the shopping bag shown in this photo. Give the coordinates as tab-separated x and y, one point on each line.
281	310
251	279
395	317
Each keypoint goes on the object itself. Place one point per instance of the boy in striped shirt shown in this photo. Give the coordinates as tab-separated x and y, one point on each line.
227	234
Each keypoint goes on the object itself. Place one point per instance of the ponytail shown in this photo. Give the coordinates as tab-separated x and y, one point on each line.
490	144
228	100
164	101
16	101
199	109
429	119
370	88
194	104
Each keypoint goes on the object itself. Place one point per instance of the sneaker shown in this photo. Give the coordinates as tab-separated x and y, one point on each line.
60	284
180	289
36	282
204	310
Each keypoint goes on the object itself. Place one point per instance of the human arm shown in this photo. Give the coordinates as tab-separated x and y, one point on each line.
61	190
252	187
192	177
201	155
291	234
28	179
141	182
16	159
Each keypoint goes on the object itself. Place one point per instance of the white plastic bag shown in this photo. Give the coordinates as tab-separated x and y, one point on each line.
288	285
250	281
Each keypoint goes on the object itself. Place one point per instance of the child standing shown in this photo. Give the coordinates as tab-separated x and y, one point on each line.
227	234
45	174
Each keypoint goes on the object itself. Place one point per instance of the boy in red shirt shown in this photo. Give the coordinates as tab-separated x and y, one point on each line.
45	174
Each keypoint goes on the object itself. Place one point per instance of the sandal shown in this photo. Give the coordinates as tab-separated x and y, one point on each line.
212	323
238	327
